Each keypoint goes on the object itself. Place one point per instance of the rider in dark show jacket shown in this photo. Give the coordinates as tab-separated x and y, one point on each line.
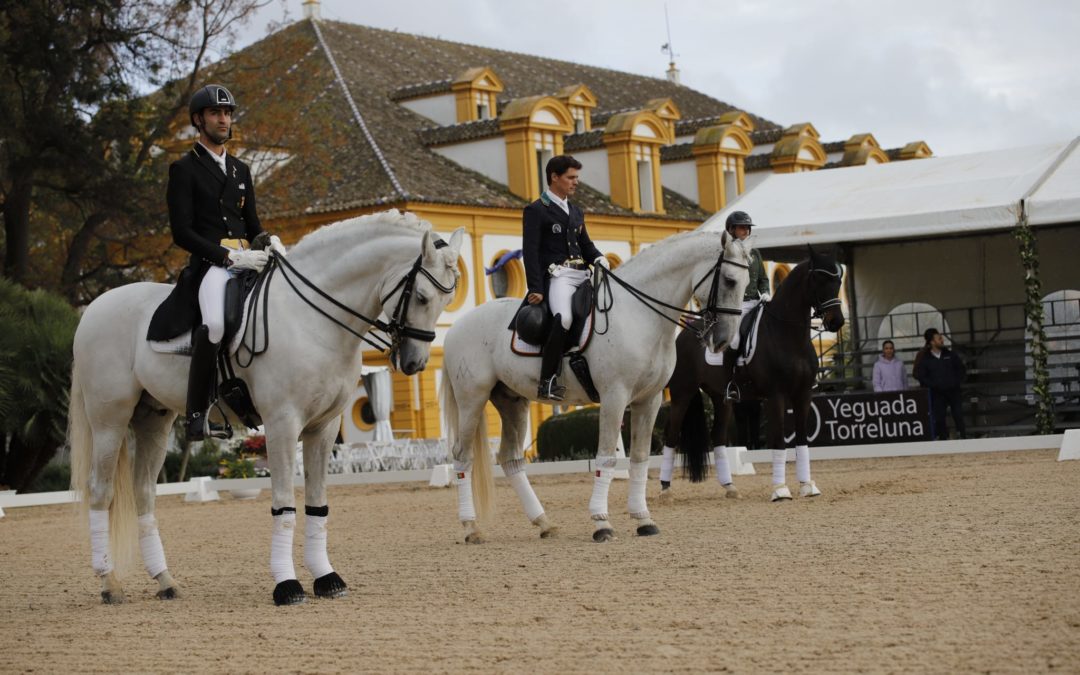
212	215
557	252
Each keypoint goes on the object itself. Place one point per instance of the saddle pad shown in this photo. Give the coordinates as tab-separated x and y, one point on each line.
714	358
181	344
522	348
717	359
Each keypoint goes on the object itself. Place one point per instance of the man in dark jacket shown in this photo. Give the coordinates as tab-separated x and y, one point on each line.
941	371
211	200
557	252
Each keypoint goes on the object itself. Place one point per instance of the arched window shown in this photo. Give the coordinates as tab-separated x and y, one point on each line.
462	290
1061	322
905	324
508	280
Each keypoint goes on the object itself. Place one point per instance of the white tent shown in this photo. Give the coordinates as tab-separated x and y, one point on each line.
914	199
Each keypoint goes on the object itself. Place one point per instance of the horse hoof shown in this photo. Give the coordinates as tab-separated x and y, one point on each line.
666	496
648	530
474	538
605	534
289	592
330	586
780	493
731	492
110	598
809	489
550	532
170	593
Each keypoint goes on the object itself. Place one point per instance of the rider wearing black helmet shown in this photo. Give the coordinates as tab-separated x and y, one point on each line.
212	215
739	225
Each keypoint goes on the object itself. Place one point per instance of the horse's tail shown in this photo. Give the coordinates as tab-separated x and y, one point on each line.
694	440
123	524
483	480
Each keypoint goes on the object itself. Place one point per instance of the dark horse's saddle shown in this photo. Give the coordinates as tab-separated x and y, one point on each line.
747	334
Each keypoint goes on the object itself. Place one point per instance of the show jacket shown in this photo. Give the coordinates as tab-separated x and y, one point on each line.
205	206
550	235
940	373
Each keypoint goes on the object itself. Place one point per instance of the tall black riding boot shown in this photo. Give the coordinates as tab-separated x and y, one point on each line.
200	381
551	362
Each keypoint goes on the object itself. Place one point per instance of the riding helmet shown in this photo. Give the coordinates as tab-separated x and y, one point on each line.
738	218
533	322
210	96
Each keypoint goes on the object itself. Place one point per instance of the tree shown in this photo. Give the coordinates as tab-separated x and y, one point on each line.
78	171
35	379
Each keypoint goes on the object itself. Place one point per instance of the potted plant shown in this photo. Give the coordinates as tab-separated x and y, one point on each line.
241	465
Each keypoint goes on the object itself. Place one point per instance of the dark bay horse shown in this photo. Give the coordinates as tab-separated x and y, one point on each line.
781	372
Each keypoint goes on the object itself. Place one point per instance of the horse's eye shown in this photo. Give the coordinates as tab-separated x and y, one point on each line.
730	282
422	299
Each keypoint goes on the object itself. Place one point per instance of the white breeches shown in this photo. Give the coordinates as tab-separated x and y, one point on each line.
212	301
747	305
561	292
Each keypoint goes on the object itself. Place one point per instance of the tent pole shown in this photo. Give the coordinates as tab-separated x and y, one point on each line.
853	307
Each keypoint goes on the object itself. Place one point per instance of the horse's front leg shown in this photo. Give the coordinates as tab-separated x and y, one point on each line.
801	406
721	415
281	436
776	405
151	435
318	444
611	414
642	418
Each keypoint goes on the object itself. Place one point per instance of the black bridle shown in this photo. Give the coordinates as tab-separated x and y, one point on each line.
822	305
396	329
709	315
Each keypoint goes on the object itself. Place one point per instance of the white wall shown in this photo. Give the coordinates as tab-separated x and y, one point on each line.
439	109
594	170
681	177
486	155
753	178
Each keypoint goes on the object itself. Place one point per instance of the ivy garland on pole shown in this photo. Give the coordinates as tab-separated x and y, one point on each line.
1033	309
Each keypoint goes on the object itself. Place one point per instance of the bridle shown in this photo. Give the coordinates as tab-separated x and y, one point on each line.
397	330
822	306
709	315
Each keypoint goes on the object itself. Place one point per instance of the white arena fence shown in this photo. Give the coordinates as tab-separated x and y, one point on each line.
412	460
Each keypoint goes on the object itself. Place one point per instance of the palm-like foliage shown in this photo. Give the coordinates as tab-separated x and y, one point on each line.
35	378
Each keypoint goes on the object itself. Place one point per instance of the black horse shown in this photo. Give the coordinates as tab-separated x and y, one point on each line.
781	372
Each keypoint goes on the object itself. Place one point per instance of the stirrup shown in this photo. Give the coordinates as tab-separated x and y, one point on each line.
550	389
731	392
199	428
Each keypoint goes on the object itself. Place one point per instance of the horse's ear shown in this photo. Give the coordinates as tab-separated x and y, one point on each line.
810	251
456	239
427	245
724	239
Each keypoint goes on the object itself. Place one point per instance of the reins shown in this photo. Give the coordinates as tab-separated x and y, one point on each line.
396	328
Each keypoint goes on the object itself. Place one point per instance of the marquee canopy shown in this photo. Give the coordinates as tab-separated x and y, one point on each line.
914	198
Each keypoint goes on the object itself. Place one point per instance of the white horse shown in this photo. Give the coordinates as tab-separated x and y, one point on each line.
299	386
630	364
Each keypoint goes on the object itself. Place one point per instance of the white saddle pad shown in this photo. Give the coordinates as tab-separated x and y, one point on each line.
522	348
717	359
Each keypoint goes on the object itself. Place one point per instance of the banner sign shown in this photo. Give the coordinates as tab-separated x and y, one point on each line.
857	419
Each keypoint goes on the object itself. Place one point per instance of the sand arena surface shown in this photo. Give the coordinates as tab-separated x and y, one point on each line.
933	564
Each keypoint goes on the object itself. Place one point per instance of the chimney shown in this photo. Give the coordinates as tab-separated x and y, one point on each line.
673	73
311	9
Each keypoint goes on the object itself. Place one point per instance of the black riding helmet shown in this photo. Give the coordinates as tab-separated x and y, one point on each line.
533	323
210	96
737	218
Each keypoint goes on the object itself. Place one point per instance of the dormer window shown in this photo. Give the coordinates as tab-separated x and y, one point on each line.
545	150
580	101
534	128
578	113
475	91
483	105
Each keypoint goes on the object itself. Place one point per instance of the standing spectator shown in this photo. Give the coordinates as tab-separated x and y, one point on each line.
889	372
941	371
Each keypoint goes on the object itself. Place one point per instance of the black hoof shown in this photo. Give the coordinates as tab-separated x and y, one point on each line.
606	534
289	592
168	594
330	586
108	598
648	530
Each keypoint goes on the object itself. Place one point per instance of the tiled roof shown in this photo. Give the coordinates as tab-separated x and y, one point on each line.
587	140
324	94
758	162
675	153
833	146
420	89
457	133
765	136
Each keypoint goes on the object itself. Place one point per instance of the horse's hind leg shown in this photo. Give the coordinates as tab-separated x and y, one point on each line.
317	446
721	414
151	424
801	406
775	406
514	411
611	415
680	402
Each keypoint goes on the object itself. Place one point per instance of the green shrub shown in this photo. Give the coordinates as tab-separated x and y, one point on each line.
54	478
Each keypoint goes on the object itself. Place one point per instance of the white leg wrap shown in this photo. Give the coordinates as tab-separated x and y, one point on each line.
667	465
802	463
635	501
779	458
153	554
281	561
598	502
723	471
315	558
515	471
463	480
99	542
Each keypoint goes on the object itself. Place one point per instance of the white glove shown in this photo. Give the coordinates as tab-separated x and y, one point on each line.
765	297
276	245
603	262
249	260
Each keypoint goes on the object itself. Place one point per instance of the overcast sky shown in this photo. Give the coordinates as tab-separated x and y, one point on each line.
962	75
